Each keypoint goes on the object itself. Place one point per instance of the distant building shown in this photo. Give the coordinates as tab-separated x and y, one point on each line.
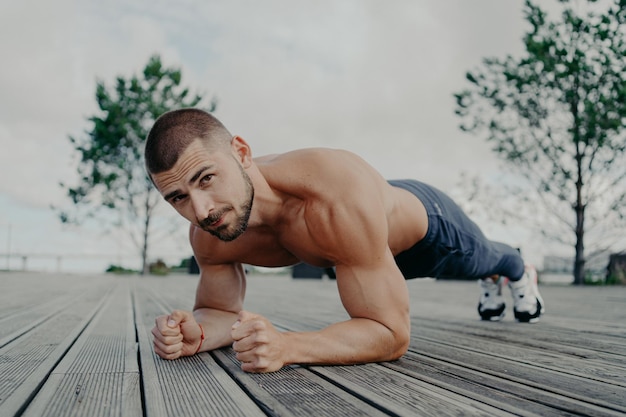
595	266
558	264
304	270
616	271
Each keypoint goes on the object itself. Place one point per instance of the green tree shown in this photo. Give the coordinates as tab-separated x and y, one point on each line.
113	183
557	114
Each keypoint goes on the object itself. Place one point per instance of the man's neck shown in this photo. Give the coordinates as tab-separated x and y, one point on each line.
268	203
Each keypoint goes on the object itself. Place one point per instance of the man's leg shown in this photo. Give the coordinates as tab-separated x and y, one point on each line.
456	247
491	305
502	262
528	304
473	255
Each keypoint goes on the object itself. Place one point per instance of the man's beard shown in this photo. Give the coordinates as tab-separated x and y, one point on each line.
224	232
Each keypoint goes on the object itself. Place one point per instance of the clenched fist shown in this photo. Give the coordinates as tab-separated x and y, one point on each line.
176	335
259	346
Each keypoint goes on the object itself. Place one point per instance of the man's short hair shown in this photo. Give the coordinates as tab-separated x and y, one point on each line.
175	130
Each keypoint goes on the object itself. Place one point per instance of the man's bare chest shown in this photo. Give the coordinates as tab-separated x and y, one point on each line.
283	248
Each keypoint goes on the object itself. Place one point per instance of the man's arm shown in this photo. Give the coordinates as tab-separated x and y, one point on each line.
219	298
347	225
376	299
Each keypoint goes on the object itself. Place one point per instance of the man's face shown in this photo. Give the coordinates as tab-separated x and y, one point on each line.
210	189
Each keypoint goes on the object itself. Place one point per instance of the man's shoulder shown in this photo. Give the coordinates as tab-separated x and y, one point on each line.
301	158
313	170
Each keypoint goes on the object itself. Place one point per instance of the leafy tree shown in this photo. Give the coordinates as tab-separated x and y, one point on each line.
557	114
112	177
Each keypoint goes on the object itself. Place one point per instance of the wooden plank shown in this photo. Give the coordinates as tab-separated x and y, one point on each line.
506	394
475	395
468	394
403	395
99	375
597	391
542	346
27	300
580	310
551	368
21	291
18	293
578	388
287	392
20	322
26	362
189	386
294	391
545	335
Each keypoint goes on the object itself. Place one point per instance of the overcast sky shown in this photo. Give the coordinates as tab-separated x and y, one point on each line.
370	76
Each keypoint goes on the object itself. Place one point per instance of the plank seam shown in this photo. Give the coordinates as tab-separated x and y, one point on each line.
353	392
262	406
543	388
158	300
19	333
142	392
541	366
37	388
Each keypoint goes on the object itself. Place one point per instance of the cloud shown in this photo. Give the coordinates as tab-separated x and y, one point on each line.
53	57
376	78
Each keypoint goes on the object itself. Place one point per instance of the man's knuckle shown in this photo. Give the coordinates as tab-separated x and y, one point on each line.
169	349
262	365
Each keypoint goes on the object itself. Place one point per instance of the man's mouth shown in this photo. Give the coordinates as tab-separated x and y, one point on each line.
217	222
213	222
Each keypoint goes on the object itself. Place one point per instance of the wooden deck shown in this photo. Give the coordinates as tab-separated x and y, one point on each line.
81	346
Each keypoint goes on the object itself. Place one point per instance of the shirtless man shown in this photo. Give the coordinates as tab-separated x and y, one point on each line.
323	207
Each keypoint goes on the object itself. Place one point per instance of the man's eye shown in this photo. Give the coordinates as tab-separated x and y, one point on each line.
177	199
206	179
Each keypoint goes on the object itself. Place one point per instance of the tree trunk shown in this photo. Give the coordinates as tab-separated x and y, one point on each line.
579	260
579	207
145	268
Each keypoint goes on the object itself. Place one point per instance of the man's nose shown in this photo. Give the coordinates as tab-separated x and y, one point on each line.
202	206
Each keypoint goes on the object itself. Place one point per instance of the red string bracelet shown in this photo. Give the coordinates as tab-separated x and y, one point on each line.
201	339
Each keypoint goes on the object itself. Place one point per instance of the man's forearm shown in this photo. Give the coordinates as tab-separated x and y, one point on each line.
216	325
346	343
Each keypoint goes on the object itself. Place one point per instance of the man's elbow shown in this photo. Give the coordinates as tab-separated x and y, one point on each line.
401	341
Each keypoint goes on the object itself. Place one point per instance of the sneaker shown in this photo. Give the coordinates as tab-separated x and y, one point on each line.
491	304
528	304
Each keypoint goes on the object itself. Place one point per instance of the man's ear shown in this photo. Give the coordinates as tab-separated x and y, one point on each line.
241	151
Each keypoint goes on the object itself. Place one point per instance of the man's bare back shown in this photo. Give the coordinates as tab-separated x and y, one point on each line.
320	206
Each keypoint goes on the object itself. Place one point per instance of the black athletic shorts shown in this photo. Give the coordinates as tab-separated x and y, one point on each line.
454	246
